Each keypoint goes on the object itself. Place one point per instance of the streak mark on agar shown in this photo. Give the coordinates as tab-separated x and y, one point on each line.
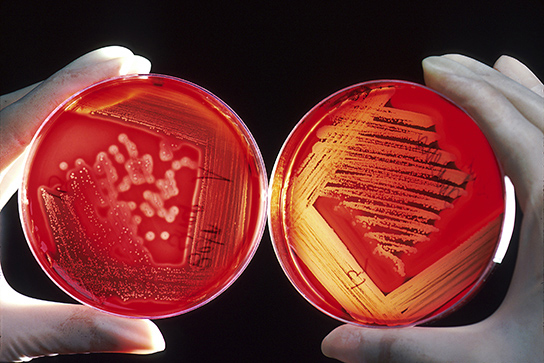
387	171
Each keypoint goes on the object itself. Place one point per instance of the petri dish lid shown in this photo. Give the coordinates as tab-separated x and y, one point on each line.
143	196
387	205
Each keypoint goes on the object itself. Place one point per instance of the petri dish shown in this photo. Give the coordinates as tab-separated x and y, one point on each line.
387	205
143	196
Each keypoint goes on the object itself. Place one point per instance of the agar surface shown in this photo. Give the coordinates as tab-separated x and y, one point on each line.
388	173
119	224
126	216
366	199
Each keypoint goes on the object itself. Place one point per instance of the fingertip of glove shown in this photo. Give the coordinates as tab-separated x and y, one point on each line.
137	336
341	343
519	72
443	64
135	65
155	341
110	52
112	61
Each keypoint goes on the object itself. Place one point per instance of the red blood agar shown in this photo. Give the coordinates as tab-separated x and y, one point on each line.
386	205
143	196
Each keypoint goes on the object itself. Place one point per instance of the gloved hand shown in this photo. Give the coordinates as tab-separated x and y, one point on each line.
29	327
508	104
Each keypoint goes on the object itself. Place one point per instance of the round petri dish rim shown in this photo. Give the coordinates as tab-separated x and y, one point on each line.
277	200
236	122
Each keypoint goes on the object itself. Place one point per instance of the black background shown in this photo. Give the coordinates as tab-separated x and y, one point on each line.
271	63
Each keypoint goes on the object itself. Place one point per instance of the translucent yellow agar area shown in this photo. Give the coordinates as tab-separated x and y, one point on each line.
383	165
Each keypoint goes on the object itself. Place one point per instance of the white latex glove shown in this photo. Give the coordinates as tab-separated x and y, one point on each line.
508	104
32	328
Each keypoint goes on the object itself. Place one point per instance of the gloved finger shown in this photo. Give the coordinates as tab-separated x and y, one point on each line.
349	343
32	328
8	99
11	175
517	71
20	120
528	103
10	179
26	109
517	142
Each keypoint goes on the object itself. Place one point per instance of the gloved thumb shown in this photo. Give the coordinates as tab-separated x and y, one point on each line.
33	328
350	343
20	120
25	110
